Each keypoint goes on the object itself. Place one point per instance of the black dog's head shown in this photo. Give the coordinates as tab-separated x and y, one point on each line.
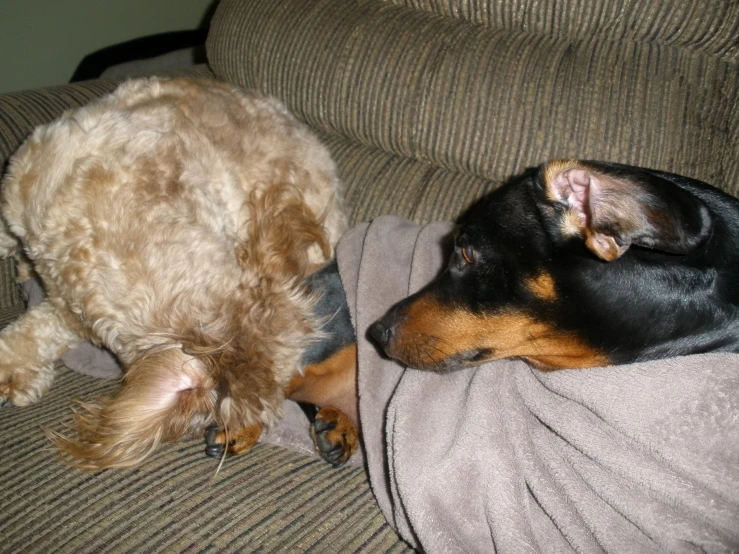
578	264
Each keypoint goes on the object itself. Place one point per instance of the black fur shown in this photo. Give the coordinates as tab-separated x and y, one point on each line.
674	291
333	308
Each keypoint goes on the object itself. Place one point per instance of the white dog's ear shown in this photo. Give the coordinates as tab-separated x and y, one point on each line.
613	207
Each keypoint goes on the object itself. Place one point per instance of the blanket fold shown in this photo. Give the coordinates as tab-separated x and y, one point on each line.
503	457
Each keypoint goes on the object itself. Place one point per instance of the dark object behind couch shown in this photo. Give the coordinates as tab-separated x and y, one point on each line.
94	65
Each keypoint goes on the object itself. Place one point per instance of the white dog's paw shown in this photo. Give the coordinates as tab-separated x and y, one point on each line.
22	382
29	348
23	386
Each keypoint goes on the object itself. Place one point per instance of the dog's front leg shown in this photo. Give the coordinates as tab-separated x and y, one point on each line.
29	347
331	386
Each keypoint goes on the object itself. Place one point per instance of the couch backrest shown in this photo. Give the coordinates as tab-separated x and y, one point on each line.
706	27
429	103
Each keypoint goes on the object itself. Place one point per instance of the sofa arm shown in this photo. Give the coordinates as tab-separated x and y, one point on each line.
21	112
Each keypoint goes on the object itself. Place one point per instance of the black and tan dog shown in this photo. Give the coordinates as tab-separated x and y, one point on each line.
580	264
576	264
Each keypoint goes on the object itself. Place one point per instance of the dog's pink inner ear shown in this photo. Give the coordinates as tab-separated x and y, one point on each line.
614	207
591	209
573	186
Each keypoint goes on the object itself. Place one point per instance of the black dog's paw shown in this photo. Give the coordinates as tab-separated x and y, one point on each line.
334	436
235	443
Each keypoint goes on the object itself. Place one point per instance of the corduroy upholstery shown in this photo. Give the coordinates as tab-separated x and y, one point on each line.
426	105
272	500
487	101
707	27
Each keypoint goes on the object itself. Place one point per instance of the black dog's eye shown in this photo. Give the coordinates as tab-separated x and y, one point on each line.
468	254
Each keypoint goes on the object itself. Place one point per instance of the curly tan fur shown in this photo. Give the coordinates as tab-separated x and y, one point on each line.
172	222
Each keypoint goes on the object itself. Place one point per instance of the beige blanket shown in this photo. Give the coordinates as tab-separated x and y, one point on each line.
506	458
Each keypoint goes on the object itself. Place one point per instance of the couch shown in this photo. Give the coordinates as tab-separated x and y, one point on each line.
426	105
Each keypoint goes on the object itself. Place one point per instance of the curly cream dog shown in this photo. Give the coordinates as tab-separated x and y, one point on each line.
171	221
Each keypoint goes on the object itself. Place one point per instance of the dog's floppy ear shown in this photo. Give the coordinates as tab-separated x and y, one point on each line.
613	207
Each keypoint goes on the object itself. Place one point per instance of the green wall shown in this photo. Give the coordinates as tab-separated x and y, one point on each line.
42	41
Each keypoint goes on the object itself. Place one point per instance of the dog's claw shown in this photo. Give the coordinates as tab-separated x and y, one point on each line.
322	426
214	451
212	448
330	452
210	435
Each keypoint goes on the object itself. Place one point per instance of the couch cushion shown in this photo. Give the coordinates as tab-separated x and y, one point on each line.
11	305
379	183
477	100
271	499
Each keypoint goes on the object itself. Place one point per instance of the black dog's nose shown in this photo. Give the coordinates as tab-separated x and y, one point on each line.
381	332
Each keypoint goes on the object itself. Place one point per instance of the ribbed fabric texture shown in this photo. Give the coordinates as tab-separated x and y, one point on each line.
477	100
379	182
707	27
270	500
11	305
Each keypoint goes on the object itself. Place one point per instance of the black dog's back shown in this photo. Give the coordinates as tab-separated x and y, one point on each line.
331	307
